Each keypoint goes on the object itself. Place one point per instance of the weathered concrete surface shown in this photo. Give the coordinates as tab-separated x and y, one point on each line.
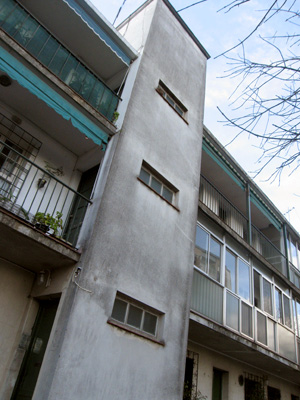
140	245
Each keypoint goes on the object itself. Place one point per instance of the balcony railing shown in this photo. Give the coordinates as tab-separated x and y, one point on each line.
231	216
37	196
31	35
215	302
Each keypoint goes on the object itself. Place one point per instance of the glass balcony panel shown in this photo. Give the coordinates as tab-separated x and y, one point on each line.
232	311
78	77
30	34
48	51
286	341
14	21
201	249
87	86
246	319
287	311
267	290
58	61
244	280
105	102
112	108
230	271
215	259
96	94
37	42
5	10
271	334
261	328
69	69
26	32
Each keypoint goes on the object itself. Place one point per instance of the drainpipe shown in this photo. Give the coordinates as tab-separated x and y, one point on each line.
286	249
248	207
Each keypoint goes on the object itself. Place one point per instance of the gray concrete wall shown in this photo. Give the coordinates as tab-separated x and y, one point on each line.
140	244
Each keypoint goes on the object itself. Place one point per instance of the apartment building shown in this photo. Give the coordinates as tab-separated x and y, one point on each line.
244	319
124	273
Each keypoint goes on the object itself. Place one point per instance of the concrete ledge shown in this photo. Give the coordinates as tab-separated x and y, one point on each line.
24	245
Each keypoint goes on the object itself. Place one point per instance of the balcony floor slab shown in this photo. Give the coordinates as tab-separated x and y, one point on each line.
24	245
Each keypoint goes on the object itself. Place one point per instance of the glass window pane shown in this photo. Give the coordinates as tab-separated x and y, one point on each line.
215	259
232	311
179	110
119	310
246	319
287	311
261	328
201	249
244	280
134	316
267	293
294	254
257	295
167	194
278	306
230	271
69	70
271	334
156	185
149	325
145	176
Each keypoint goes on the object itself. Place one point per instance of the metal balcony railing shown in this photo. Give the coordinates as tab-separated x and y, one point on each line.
231	216
32	36
39	197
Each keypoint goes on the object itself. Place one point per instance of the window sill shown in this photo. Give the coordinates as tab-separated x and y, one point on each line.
134	331
149	187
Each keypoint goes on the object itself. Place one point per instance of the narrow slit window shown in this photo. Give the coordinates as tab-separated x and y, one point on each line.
171	99
157	183
135	315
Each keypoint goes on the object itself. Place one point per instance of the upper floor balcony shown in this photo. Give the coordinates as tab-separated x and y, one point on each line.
20	25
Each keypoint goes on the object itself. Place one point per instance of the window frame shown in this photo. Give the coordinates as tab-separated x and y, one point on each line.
173	101
165	184
146	309
221	243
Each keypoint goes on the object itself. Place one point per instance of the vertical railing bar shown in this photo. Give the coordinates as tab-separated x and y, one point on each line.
49	201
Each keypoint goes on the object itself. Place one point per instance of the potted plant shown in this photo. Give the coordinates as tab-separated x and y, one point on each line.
45	222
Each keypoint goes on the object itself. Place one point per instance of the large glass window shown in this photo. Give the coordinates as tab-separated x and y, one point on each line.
244	280
208	254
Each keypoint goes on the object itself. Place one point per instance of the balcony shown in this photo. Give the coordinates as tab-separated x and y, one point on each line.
235	220
38	196
227	323
32	36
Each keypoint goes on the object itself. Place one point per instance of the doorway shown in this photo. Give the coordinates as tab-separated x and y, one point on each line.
34	355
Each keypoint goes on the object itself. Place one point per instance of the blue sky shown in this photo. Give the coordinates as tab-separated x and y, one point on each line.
219	31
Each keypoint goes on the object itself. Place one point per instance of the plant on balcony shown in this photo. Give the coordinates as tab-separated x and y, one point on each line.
45	222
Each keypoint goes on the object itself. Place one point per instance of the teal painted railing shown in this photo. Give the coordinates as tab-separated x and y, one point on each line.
31	35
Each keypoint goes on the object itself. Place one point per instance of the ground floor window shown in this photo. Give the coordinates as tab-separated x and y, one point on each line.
273	393
254	387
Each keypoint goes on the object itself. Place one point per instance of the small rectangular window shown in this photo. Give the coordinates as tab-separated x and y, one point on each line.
171	99
136	315
158	183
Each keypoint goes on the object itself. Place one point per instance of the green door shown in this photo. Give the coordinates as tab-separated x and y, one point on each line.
79	205
33	358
